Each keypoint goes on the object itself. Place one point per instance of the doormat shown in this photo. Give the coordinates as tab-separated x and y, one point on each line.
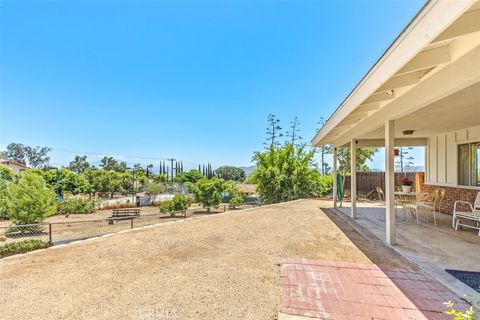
470	278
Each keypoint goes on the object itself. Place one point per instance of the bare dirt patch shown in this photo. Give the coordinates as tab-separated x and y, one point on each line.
216	267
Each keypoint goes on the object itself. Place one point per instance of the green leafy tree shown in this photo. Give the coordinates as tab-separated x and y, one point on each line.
153	189
363	155
286	173
208	192
110	164
231	173
191	176
36	157
30	200
79	164
252	178
3	196
16	152
161	178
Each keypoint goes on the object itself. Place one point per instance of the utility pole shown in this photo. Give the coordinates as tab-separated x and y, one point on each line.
171	168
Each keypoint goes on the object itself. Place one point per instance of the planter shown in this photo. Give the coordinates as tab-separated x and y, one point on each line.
407	189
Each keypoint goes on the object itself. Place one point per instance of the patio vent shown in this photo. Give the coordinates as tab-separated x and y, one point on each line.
407	132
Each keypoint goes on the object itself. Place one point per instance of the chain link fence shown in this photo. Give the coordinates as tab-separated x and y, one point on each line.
56	233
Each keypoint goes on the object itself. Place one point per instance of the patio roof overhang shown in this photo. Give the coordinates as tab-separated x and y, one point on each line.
428	81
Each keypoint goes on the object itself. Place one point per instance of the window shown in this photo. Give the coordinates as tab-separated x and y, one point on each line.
469	164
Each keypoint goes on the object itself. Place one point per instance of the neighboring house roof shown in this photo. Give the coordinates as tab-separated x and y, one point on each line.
435	56
7	162
247	188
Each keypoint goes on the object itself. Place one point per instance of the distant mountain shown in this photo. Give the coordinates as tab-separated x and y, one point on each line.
249	170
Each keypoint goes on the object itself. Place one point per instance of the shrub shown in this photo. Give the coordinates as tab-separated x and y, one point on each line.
178	203
30	200
459	315
77	206
325	185
237	200
21	247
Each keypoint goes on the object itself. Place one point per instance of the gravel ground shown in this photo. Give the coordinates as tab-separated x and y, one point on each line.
217	267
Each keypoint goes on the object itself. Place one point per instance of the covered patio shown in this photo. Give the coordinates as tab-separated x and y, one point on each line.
434	249
423	91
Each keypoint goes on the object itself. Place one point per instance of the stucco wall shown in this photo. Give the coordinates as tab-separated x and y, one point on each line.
441	157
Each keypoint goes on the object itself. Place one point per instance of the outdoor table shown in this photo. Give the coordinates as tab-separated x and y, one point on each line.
404	198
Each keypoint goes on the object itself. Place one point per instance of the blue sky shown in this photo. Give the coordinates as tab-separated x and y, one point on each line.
191	80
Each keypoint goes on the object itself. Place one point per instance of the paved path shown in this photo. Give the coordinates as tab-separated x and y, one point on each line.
347	290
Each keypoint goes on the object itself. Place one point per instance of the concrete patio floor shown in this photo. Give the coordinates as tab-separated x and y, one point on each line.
434	249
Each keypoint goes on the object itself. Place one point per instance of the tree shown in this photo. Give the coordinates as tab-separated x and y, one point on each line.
293	134
363	155
109	163
231	173
324	150
149	170
30	200
251	179
37	156
16	152
189	176
153	189
273	131
79	164
161	177
404	160
6	177
286	173
208	192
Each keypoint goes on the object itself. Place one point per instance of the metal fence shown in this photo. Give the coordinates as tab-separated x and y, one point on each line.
56	233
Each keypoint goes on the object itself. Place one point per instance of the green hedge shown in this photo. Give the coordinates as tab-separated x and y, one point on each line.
21	247
76	206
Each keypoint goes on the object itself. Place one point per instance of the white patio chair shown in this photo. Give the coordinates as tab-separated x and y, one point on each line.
472	216
429	206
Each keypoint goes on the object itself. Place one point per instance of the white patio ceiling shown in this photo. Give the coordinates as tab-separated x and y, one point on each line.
427	81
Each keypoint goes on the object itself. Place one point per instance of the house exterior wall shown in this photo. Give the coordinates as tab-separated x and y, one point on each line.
453	194
13	166
441	166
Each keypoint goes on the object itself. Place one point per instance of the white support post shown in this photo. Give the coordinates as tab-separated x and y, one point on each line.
334	153
353	180
390	182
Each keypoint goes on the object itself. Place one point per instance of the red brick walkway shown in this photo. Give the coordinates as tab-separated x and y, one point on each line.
344	290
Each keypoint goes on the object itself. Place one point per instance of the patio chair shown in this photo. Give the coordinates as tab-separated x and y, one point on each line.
381	197
429	206
473	215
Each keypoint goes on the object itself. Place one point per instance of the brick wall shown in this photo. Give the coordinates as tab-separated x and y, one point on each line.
453	194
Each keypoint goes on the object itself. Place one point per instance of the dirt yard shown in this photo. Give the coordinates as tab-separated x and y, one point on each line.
216	267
